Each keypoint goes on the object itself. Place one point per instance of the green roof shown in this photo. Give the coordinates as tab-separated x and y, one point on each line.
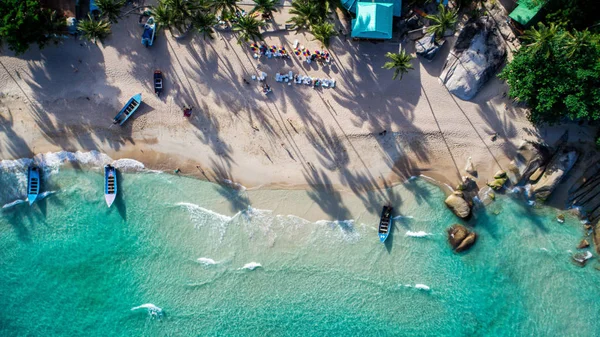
523	14
373	20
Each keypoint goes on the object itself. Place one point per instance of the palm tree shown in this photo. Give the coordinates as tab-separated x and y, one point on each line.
54	23
442	21
578	42
540	39
110	9
249	28
94	30
305	14
266	7
163	15
399	62
204	22
323	32
224	7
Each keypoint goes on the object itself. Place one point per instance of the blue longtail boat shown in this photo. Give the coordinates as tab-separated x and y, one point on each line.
33	183
128	110
385	224
149	31
110	184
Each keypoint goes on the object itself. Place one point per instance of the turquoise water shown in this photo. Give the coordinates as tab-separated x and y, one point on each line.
72	267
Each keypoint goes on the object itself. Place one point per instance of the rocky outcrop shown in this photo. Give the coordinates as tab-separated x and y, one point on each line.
460	238
428	47
500	179
581	258
458	205
470	168
559	166
596	237
585	194
477	55
531	157
583	244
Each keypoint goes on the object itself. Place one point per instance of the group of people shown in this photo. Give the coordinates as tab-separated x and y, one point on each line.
318	56
272	51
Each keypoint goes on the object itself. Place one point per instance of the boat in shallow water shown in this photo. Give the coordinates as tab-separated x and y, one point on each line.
130	107
33	183
385	224
110	184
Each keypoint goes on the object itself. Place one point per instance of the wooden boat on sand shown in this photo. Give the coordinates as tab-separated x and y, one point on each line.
128	110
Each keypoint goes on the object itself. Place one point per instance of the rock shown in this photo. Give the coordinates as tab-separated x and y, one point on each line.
560	218
530	157
596	237
581	258
492	195
497	184
584	195
477	55
587	228
460	238
537	174
583	244
470	168
559	166
428	47
458	205
500	174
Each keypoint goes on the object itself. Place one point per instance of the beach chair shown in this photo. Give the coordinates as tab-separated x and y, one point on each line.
296	43
278	77
291	74
332	83
263	76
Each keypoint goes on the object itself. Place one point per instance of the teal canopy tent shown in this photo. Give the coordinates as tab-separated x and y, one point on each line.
373	20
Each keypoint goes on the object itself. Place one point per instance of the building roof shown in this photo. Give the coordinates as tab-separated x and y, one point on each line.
350	5
523	14
373	20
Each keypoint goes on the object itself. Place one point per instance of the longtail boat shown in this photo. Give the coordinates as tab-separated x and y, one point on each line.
33	183
110	184
128	110
385	224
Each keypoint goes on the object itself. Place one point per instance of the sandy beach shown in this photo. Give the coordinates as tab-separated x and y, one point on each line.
64	98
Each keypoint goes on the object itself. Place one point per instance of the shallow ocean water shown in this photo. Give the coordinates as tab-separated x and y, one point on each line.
177	256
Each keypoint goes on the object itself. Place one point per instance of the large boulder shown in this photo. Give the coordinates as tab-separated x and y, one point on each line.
530	158
559	166
585	193
428	47
477	55
596	237
460	238
458	205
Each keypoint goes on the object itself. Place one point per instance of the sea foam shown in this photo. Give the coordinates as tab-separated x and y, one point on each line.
422	287
206	261
251	266
153	310
14	203
419	234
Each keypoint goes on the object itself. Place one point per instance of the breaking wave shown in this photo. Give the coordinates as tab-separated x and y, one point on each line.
251	266
419	234
14	203
206	261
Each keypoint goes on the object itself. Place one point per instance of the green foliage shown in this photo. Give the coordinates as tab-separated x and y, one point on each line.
23	22
94	30
176	14
204	22
572	14
399	62
442	21
110	9
323	32
305	14
248	28
266	7
557	74
225	8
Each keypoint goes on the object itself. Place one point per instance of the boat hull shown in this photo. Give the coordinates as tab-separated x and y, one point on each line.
385	223
33	184
110	184
128	110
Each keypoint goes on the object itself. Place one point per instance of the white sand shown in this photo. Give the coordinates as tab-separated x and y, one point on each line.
65	96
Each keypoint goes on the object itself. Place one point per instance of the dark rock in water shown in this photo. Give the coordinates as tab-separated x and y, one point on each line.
460	238
458	205
428	47
583	244
581	258
559	166
497	184
477	55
